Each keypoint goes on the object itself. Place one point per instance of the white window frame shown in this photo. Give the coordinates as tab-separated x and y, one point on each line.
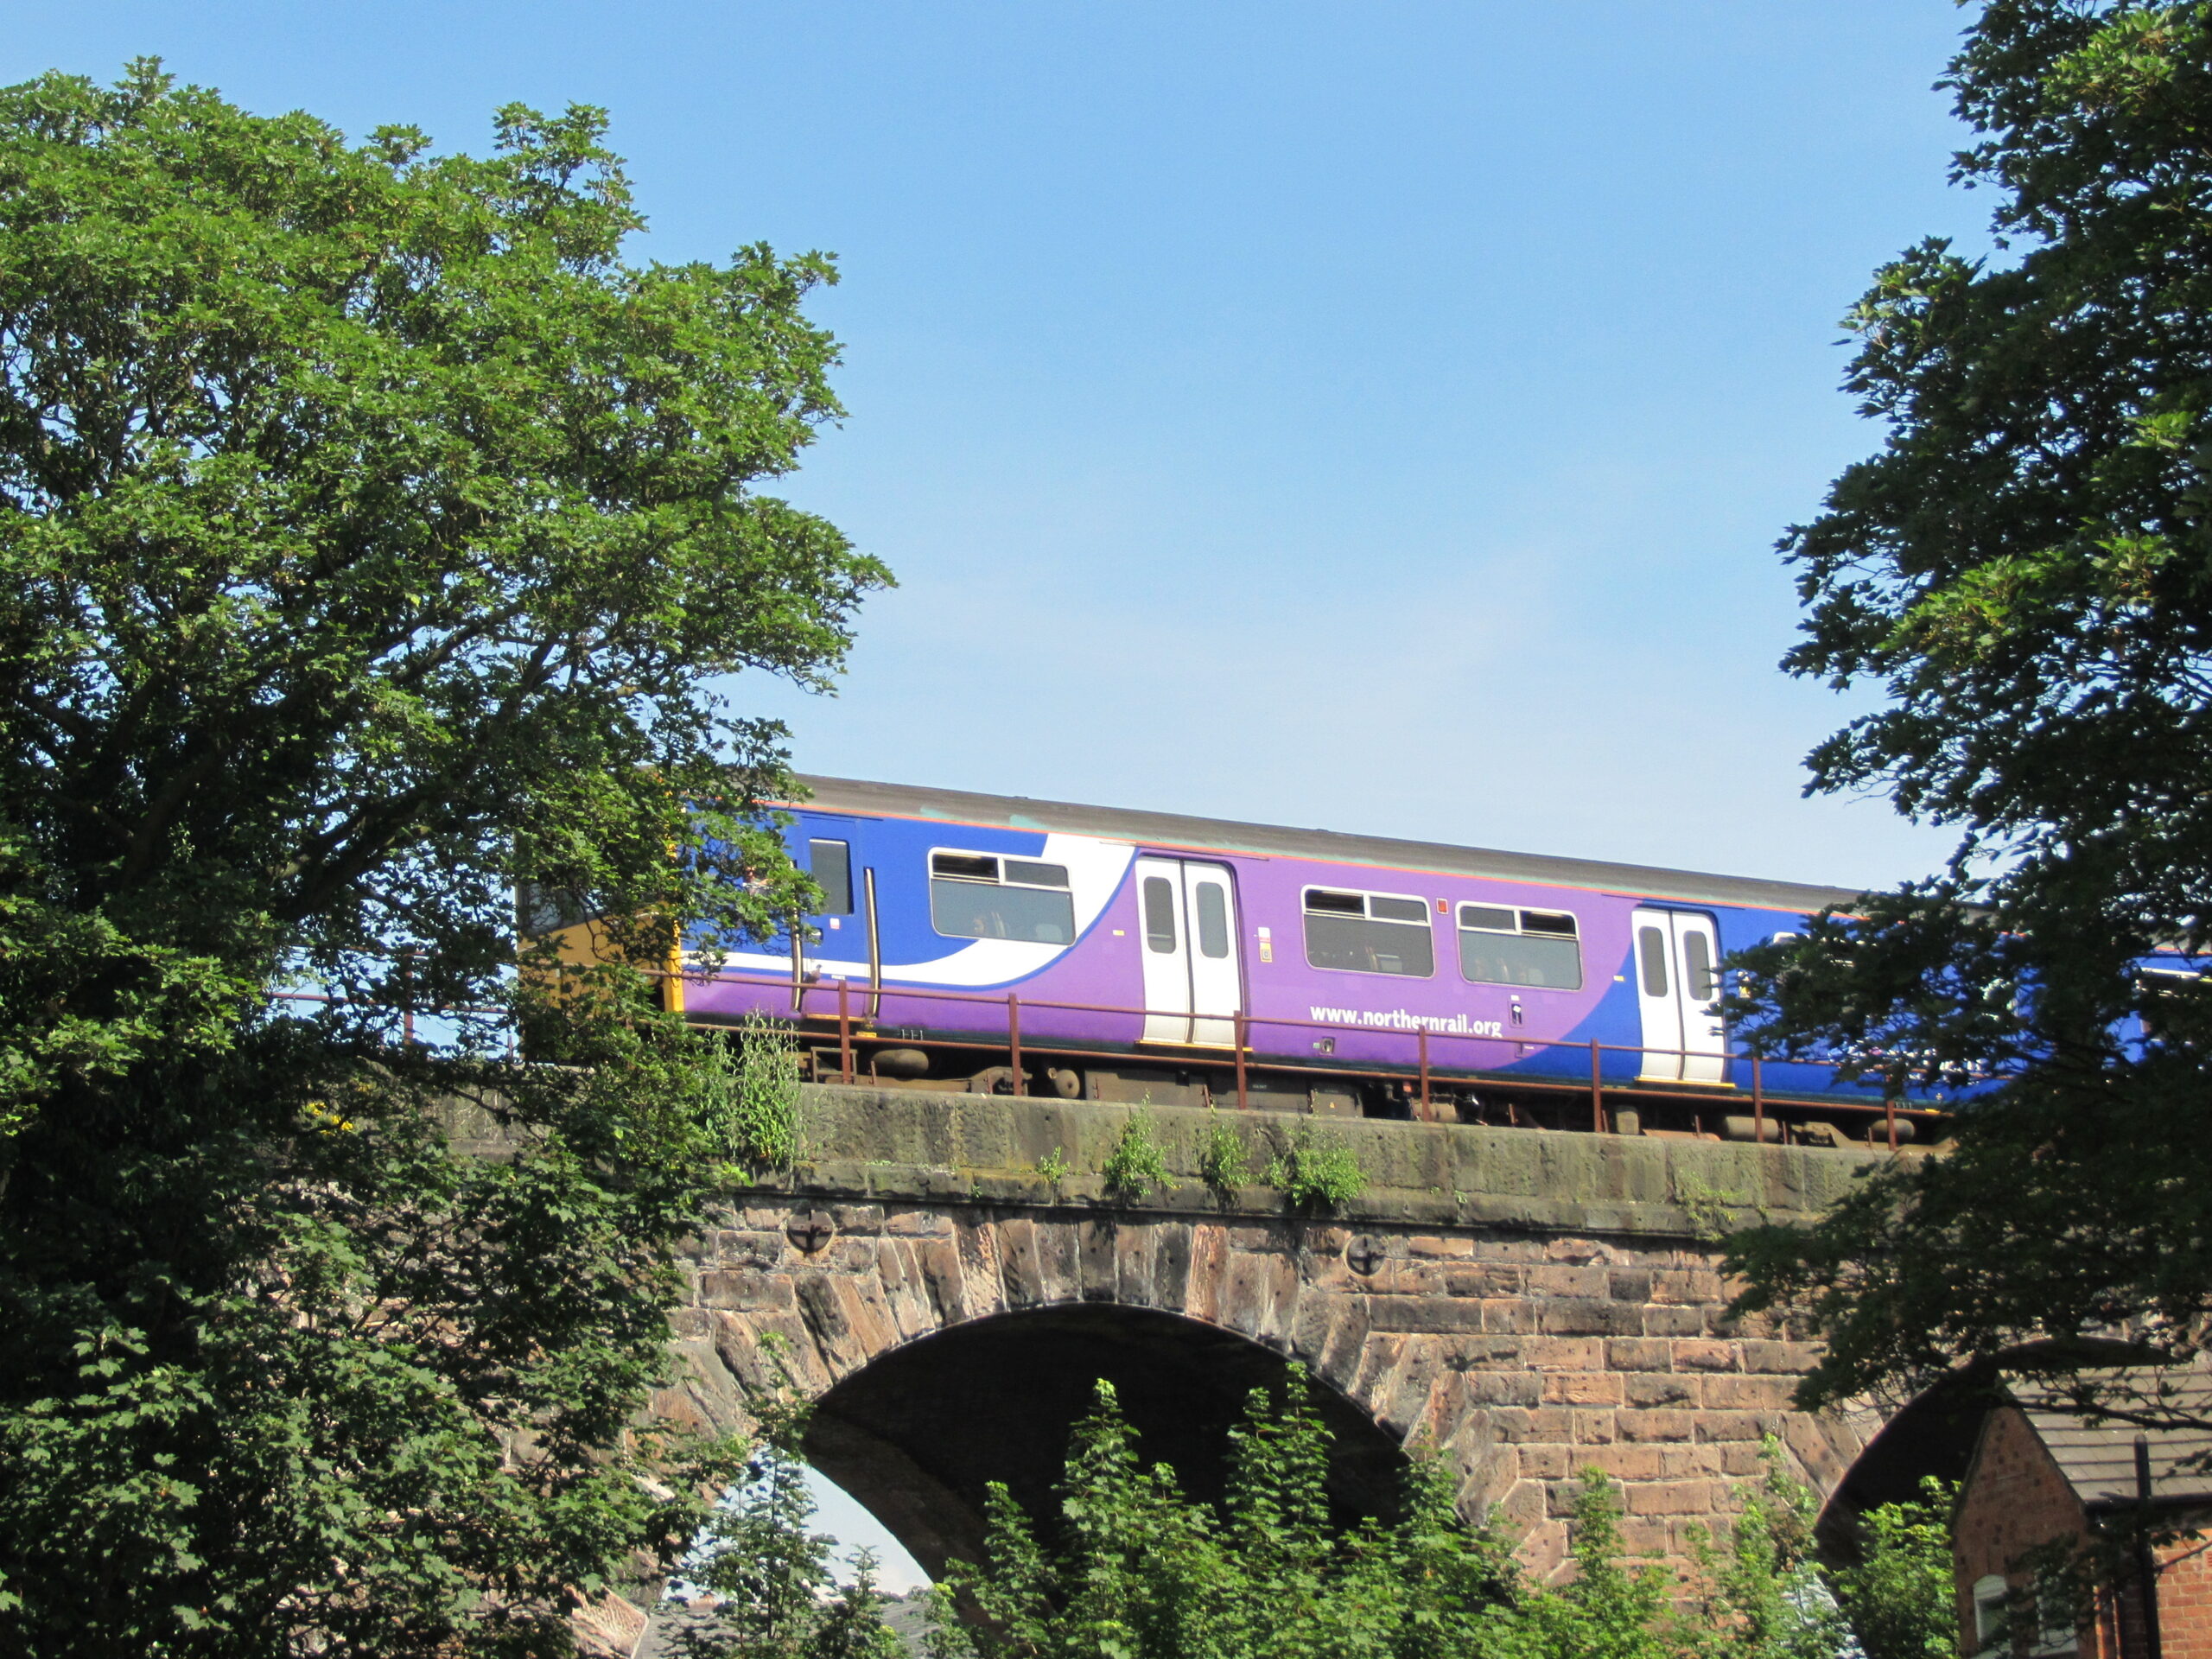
1305	892
1990	1594
932	875
1520	931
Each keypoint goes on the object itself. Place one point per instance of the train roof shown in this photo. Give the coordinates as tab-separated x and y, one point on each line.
1225	836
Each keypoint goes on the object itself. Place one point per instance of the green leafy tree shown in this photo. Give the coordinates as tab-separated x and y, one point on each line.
1899	1599
1765	1600
2022	569
780	1596
371	533
1141	1572
1608	1611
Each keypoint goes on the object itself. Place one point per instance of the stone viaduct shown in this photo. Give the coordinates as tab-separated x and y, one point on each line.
1523	1304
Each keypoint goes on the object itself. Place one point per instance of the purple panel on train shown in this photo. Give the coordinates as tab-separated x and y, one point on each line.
1130	954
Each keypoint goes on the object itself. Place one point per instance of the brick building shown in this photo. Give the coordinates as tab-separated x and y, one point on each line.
2046	1488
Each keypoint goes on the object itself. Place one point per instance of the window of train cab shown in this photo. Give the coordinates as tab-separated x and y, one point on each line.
1501	944
989	896
830	864
1368	932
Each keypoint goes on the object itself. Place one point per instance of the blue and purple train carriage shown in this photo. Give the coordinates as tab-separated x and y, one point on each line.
987	943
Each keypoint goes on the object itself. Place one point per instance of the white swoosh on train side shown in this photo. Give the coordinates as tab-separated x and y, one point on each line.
1095	872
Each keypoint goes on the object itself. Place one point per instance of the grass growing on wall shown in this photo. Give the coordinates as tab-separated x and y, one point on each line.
753	1106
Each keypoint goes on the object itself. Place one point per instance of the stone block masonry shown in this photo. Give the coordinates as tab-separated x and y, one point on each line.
1524	1303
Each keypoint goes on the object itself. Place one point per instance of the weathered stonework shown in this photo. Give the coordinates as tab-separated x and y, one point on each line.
1524	1303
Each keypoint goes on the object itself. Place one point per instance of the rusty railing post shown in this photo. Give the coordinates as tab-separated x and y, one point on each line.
1758	1103
1243	1031
1422	1033
1597	1090
844	1031
1890	1118
1014	1036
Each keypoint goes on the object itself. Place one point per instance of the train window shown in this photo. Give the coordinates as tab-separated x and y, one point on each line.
543	910
1368	934
1651	947
1700	982
1158	915
977	896
968	866
831	863
1498	946
2159	992
1213	919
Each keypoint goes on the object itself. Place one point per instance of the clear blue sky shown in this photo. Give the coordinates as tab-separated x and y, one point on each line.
1371	417
1375	417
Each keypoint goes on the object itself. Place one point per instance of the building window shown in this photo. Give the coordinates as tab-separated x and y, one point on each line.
1498	946
2054	1633
1368	934
1989	1597
982	896
831	862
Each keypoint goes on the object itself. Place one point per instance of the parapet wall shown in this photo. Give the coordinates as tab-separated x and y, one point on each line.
913	1145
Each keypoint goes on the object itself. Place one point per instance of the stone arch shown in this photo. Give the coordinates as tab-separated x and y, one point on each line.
918	1434
1934	1433
918	1292
1517	1354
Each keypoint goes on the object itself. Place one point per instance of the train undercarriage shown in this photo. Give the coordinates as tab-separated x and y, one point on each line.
1203	1076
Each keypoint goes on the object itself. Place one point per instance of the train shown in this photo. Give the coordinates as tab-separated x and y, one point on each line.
999	944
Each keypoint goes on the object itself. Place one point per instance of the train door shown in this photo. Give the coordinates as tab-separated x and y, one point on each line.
1192	990
1678	990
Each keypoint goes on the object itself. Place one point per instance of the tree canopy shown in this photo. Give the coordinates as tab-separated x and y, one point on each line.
1138	1570
2025	568
373	535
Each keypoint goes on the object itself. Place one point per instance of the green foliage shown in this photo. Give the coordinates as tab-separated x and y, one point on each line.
2021	568
1224	1159
1054	1167
1607	1611
752	1106
1316	1171
780	1596
1142	1573
1899	1599
1135	1167
1766	1598
370	534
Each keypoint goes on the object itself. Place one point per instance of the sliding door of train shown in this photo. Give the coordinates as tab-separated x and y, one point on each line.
1678	989
1192	990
